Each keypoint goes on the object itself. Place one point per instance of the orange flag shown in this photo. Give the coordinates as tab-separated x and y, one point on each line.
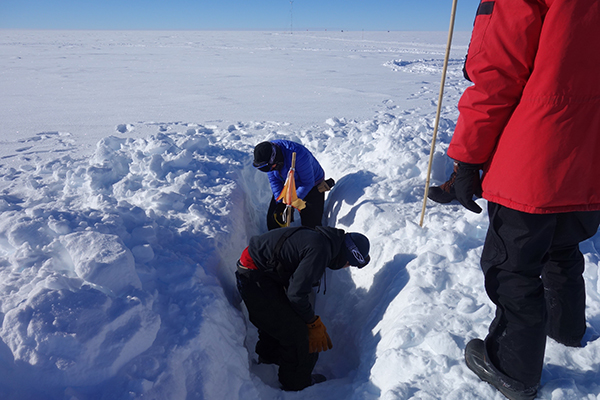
288	193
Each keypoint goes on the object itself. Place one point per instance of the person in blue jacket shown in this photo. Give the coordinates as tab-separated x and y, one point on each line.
275	158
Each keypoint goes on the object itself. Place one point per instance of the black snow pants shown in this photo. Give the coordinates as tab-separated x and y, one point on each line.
282	334
310	217
533	273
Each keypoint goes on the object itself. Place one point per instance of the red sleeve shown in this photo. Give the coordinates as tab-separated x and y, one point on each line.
499	62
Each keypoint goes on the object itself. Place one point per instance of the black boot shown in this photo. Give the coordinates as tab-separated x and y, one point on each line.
264	360
444	193
314	379
478	362
317	378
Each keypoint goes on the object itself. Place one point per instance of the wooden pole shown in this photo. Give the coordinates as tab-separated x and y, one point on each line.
439	108
288	208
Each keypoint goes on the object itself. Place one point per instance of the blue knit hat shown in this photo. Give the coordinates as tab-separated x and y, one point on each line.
356	249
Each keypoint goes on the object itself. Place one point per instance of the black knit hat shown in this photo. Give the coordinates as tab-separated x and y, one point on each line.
267	157
264	153
356	249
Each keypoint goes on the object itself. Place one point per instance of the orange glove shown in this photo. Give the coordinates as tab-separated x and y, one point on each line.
318	339
299	204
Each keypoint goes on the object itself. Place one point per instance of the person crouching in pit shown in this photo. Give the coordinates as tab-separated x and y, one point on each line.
275	277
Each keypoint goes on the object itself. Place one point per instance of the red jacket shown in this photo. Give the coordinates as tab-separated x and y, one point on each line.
532	116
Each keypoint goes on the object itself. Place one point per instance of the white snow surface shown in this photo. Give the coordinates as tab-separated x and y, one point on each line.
127	194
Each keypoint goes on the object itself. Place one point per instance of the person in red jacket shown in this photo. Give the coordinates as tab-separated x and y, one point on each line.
531	123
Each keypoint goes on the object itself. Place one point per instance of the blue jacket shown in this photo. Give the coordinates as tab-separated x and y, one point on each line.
308	170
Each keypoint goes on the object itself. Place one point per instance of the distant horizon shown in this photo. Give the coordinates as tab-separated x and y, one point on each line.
224	30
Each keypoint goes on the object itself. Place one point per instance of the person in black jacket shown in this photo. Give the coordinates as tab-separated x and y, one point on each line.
275	275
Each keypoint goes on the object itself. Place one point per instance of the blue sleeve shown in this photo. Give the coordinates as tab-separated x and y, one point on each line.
305	173
276	182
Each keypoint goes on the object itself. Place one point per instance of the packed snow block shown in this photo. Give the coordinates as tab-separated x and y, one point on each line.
108	165
143	253
102	259
82	337
193	142
102	177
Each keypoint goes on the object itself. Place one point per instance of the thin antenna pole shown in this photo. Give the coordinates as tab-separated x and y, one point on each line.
292	17
439	109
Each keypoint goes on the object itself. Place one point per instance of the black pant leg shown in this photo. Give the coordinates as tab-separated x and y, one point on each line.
268	348
563	277
565	295
312	215
512	260
270	311
519	249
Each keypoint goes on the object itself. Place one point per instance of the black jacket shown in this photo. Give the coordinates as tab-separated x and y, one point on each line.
302	258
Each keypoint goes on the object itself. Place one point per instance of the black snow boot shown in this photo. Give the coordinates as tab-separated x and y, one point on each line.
477	362
264	360
444	193
314	379
317	378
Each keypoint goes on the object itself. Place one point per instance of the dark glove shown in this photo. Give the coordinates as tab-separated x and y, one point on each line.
278	214
318	339
280	219
326	185
467	185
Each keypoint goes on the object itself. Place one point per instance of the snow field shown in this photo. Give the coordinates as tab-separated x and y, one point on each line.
117	261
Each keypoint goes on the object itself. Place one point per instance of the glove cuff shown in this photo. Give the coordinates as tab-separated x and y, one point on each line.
464	165
315	324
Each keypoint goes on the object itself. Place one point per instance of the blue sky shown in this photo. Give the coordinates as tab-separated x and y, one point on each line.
402	15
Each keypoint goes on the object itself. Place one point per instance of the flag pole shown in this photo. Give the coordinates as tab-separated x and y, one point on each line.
439	108
288	208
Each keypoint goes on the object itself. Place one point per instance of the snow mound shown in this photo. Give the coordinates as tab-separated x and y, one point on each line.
65	337
112	267
103	260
